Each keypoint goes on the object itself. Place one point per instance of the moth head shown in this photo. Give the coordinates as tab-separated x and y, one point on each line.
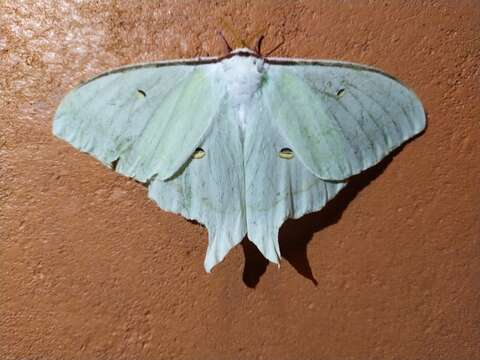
243	47
243	51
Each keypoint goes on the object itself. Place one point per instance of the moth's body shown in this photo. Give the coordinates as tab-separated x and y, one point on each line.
243	76
335	119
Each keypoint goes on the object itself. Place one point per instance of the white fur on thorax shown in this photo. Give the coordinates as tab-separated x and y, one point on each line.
243	75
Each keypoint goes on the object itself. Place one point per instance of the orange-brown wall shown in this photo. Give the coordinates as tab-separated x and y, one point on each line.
92	269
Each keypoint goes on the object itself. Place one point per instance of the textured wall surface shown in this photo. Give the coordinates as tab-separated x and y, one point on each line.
92	269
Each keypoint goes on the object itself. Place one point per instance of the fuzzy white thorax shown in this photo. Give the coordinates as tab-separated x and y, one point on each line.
243	75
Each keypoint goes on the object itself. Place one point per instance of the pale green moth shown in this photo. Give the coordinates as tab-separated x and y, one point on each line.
241	142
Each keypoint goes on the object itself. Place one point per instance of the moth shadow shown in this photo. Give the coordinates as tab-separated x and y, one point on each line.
295	235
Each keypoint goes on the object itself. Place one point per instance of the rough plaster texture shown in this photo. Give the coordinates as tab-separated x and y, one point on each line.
92	269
